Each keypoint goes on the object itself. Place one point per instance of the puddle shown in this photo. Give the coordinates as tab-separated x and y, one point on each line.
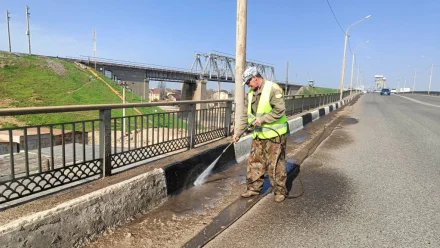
239	207
350	120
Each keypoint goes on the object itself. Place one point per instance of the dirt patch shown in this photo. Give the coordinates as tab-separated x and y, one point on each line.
5	102
300	91
56	66
7	120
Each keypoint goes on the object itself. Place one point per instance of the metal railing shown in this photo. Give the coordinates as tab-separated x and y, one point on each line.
41	157
299	103
37	158
431	93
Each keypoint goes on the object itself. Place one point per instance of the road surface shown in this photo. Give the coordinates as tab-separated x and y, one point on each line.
374	183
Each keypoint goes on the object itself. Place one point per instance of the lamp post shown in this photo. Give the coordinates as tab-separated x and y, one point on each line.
341	86
414	84
352	65
430	75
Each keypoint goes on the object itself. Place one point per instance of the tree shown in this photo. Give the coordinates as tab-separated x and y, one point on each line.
162	90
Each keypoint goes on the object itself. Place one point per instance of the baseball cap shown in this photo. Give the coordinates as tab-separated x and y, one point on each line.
249	73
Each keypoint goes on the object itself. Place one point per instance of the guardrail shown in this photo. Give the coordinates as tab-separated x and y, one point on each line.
38	158
431	93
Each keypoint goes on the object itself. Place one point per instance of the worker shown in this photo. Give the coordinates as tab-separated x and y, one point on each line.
265	110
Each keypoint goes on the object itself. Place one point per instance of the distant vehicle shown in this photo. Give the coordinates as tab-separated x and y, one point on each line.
385	92
393	91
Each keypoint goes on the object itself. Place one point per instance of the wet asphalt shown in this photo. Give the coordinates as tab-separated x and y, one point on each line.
372	183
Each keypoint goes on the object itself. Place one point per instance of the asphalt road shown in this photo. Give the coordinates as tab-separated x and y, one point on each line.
374	183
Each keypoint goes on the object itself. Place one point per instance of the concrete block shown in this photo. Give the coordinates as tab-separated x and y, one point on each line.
315	115
295	125
307	118
321	112
327	110
71	223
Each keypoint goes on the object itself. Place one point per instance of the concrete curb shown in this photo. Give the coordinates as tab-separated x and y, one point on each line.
243	146
73	222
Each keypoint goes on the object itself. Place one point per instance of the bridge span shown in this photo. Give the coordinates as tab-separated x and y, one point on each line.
206	67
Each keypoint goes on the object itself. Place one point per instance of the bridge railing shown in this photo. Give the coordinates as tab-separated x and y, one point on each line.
431	93
37	158
123	63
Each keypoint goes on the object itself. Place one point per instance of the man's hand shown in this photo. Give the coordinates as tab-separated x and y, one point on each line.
235	138
257	122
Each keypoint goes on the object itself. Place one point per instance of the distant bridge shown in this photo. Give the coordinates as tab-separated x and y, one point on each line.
206	67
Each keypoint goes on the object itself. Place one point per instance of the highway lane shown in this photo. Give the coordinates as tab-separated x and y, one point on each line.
370	184
428	99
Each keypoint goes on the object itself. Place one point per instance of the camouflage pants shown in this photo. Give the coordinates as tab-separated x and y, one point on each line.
264	155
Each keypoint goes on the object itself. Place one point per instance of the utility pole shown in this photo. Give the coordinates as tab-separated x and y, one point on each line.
28	32
430	79
287	78
240	59
351	77
357	78
414	84
94	47
9	32
404	85
398	85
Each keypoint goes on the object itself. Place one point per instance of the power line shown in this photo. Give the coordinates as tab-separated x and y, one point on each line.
335	17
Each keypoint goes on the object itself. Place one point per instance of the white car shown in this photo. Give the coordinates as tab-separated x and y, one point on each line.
393	91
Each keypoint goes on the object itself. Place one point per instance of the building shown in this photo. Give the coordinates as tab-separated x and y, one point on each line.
154	94
223	95
173	97
380	82
43	139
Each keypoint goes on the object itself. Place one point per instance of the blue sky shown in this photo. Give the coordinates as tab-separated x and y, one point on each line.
303	32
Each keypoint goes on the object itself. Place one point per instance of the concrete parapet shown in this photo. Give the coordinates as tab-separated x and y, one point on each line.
315	115
295	125
71	223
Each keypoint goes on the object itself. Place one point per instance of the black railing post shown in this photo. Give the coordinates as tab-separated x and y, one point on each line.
105	141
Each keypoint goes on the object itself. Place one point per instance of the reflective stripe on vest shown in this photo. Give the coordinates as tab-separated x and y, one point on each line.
263	108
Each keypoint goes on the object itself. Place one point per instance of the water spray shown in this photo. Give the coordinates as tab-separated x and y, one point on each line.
202	178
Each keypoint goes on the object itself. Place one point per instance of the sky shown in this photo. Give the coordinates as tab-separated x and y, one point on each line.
403	35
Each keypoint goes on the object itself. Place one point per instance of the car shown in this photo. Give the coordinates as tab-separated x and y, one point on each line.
385	92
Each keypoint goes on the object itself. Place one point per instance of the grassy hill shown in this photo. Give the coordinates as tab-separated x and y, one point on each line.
307	90
31	81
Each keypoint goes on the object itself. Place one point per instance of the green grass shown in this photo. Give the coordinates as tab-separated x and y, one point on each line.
307	90
29	81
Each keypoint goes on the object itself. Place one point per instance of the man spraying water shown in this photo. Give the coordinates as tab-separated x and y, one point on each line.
266	112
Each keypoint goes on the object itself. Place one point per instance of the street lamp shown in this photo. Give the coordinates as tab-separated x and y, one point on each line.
352	65
430	75
341	86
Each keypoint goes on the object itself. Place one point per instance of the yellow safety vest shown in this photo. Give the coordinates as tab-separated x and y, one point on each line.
263	108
